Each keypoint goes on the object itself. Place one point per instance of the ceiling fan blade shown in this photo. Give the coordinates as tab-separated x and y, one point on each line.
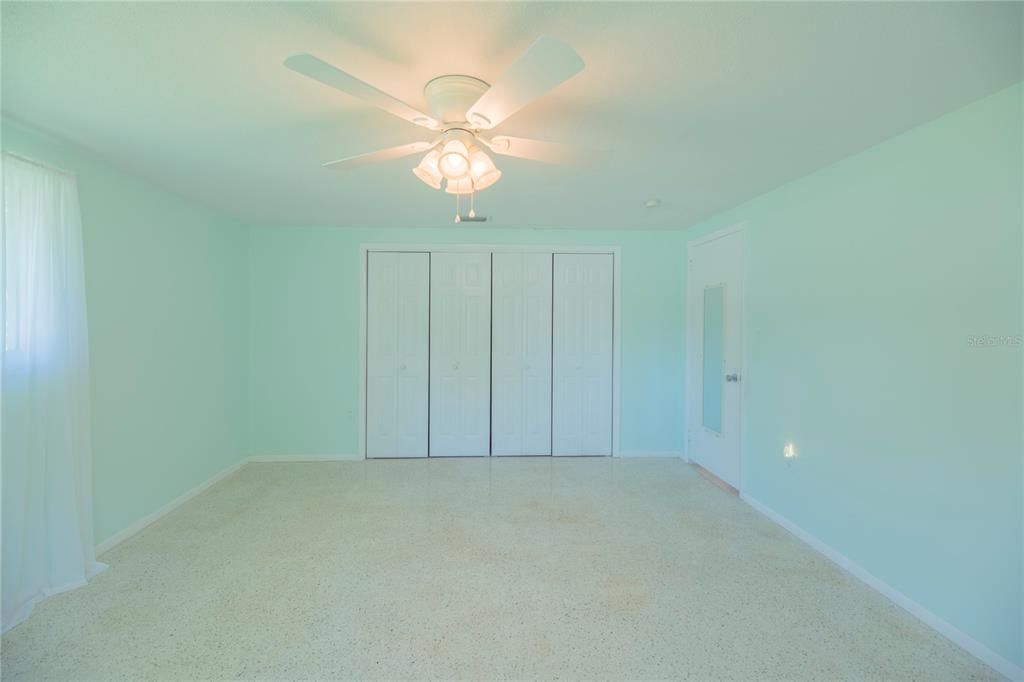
534	150
319	70
545	65
382	155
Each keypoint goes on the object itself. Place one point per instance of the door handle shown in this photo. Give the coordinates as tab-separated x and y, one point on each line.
732	377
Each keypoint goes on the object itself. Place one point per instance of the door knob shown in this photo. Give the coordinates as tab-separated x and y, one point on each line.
732	377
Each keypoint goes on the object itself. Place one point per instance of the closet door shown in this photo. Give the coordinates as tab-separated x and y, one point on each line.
582	354
460	354
521	355
396	354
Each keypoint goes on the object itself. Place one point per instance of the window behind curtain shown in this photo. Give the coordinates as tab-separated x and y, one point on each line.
46	466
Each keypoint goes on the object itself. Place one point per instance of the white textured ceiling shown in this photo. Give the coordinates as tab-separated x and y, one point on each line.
700	105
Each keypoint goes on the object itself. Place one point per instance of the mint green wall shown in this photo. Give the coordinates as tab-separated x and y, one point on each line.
865	282
304	332
165	289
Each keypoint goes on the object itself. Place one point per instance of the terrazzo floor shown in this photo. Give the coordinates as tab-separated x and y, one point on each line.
484	569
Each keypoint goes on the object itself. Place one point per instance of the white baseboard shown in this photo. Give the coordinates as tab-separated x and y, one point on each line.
122	535
305	458
958	637
650	453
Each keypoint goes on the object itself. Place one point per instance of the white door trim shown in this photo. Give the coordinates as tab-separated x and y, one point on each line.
717	234
690	308
615	251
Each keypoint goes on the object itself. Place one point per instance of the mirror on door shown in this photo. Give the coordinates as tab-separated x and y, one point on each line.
712	371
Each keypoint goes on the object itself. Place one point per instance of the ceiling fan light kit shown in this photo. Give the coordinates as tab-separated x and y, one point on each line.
454	161
482	170
428	171
460	186
462	107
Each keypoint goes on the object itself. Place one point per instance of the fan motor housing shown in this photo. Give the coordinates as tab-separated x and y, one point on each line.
450	97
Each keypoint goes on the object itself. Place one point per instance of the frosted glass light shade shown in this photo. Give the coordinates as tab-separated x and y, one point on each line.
454	161
427	170
482	170
463	186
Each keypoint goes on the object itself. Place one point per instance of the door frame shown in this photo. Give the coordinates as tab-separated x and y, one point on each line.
693	373
614	251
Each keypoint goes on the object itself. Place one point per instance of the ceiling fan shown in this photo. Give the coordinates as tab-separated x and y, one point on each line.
463	111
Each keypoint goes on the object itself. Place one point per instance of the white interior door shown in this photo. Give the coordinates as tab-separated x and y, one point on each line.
460	354
714	303
582	354
521	354
396	358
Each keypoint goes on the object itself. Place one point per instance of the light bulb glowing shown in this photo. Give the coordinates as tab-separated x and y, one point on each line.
482	170
427	170
789	451
454	161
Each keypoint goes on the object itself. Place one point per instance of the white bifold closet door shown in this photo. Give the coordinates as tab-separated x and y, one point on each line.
460	354
582	354
397	313
521	354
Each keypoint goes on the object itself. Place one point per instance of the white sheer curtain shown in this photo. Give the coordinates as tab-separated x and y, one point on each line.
46	458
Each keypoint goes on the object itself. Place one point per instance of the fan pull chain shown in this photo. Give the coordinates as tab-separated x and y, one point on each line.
472	202
458	213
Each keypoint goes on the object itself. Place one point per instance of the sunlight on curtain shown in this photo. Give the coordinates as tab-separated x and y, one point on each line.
46	455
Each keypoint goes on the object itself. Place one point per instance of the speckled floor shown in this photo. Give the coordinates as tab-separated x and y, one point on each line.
497	568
